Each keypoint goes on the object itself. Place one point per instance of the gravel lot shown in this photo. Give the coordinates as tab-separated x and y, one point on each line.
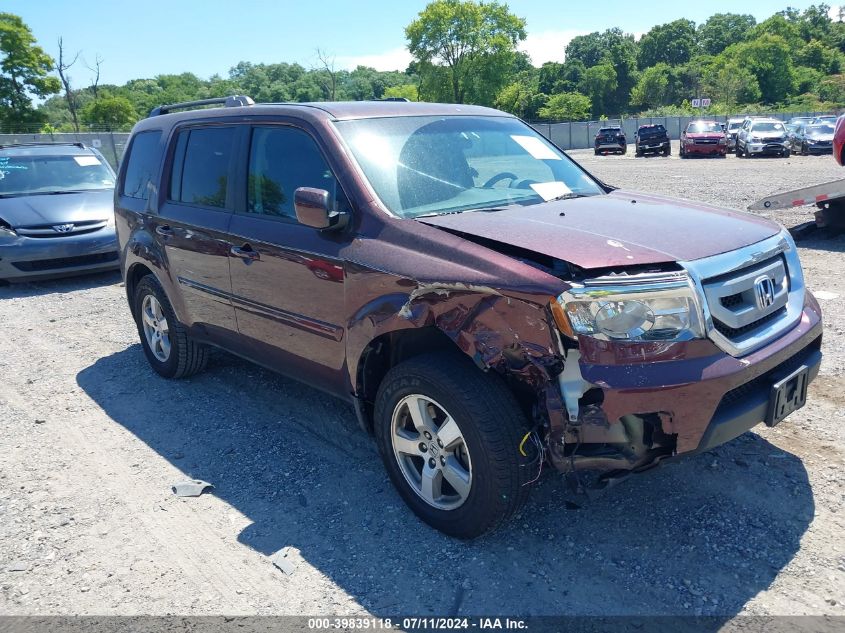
92	441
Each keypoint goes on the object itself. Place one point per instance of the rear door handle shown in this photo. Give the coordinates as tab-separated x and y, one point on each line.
245	252
164	230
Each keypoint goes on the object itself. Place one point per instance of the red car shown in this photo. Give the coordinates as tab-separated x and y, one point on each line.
703	138
839	140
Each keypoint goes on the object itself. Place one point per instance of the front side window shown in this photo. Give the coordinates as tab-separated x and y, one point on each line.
435	164
142	165
200	172
38	173
282	159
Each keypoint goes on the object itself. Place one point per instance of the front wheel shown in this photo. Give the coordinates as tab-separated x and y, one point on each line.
449	437
167	346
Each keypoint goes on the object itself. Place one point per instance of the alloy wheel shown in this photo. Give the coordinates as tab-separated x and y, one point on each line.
156	329
431	452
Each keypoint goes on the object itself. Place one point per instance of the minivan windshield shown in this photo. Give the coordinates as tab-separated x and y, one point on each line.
429	165
62	173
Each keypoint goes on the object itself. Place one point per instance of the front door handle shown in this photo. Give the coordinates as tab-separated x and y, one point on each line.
245	252
164	230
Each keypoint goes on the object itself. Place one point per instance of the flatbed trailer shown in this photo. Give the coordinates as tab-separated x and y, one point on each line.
828	197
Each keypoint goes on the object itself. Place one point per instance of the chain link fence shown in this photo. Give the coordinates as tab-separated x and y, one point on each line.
574	135
581	134
110	144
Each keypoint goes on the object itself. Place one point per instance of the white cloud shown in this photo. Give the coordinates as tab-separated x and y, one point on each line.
395	59
548	46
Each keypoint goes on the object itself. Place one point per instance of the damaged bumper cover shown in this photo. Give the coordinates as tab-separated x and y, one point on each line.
643	403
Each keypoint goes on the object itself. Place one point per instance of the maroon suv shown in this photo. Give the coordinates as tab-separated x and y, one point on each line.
485	303
703	138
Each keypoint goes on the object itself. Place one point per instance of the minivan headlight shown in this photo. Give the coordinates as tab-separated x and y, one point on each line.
651	307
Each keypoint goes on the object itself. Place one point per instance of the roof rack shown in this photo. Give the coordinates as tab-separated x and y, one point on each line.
232	101
41	144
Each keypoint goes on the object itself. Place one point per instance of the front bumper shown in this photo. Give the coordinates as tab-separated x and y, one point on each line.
711	149
696	396
653	146
819	149
28	258
766	149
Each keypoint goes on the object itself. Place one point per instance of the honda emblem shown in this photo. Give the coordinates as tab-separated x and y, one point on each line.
764	292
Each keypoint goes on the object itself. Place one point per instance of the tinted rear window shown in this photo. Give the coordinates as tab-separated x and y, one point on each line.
144	157
201	166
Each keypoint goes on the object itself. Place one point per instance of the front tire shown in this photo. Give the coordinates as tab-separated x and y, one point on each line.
167	346
449	437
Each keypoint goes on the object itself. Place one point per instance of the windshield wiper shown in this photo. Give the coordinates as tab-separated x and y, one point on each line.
567	196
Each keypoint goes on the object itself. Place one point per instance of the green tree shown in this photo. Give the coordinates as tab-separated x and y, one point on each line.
673	43
614	48
779	26
653	88
567	106
731	84
109	113
463	37
723	29
817	55
405	91
522	97
769	59
23	72
599	84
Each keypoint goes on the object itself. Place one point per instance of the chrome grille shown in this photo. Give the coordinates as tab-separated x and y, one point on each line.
61	229
750	296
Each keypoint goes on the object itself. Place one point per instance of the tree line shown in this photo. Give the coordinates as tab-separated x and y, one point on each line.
466	51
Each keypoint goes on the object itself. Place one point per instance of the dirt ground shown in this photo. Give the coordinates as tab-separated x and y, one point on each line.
92	441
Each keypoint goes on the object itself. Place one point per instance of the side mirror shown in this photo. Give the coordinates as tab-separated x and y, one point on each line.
312	209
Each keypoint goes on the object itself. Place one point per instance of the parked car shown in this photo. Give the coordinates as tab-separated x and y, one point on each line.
825	118
812	139
56	214
610	139
839	140
703	138
498	307
731	132
762	137
652	139
798	120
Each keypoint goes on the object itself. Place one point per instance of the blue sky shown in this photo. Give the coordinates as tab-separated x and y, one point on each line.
143	39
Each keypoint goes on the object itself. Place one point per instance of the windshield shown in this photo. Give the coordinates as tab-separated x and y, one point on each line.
652	129
433	165
704	126
767	126
819	130
39	173
734	125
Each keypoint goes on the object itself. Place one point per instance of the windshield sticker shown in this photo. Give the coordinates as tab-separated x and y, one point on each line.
87	161
4	164
537	148
550	190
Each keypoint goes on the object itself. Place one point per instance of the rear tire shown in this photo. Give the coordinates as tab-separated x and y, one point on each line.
484	415
167	346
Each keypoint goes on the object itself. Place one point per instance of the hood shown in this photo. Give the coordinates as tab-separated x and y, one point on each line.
61	208
621	228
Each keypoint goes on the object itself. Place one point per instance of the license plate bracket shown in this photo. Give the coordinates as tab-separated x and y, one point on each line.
788	395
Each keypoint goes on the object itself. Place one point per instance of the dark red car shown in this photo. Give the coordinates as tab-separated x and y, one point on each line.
703	138
485	304
839	140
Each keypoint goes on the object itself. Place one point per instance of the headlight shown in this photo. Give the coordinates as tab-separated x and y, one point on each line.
650	307
6	229
723	141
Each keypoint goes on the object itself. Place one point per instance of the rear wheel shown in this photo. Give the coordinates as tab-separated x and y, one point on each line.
167	346
738	151
449	437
